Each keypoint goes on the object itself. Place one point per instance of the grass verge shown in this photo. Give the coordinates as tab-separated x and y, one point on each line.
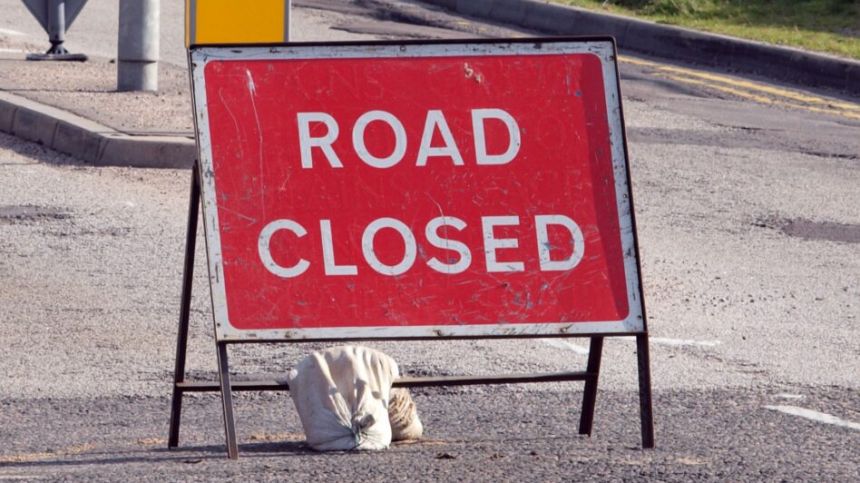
831	26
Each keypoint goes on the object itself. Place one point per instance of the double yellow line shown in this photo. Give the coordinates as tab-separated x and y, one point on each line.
754	91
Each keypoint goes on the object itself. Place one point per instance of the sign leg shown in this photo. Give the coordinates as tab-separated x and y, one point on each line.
184	309
227	402
645	410
589	396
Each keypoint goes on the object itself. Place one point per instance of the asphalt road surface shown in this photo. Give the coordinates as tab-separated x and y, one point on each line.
746	198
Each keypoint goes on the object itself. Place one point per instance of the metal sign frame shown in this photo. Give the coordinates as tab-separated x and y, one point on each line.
201	57
203	190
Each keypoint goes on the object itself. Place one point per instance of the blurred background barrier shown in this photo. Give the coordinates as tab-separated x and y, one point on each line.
56	16
233	22
137	45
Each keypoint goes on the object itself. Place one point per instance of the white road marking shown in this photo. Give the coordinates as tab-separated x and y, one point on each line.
815	416
785	395
13	33
563	344
11	51
683	342
676	342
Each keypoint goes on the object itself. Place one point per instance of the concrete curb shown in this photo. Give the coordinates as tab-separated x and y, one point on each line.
674	43
89	141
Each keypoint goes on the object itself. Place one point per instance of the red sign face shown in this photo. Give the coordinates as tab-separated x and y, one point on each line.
434	191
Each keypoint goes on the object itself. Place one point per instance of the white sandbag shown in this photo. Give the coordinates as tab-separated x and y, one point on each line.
342	395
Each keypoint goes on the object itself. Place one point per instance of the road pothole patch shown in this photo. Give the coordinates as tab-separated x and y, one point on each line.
14	214
813	230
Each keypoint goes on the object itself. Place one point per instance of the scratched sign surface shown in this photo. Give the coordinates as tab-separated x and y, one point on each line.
417	190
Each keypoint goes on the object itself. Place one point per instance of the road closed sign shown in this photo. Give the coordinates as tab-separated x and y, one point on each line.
382	190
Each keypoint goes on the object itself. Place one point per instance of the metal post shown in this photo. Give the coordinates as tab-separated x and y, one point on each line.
184	308
589	394
137	45
646	412
227	402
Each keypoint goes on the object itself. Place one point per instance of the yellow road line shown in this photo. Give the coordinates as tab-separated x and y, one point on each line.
728	90
768	89
763	99
715	81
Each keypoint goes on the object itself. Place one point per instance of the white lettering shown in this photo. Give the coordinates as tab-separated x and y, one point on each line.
481	155
306	142
432	234
436	120
546	263
399	139
331	267
436	233
491	243
264	249
409	254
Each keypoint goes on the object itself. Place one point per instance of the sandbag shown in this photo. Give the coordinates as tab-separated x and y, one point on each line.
403	416
342	396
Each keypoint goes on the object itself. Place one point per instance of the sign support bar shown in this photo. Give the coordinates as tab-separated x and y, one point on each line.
184	307
646	413
589	395
227	402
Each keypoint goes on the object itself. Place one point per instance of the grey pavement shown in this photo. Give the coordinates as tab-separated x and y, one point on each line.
504	441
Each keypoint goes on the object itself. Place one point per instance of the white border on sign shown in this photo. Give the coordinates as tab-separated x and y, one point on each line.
603	49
